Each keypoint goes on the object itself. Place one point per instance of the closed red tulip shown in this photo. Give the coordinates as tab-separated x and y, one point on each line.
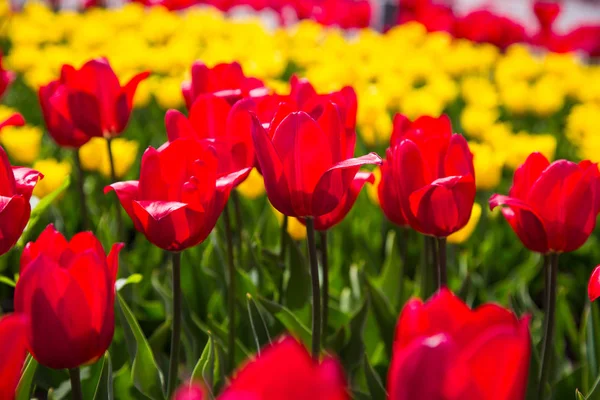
16	187
13	350
91	99
430	171
388	192
444	350
14	120
307	163
6	78
594	284
67	290
223	80
285	370
552	207
189	391
227	128
179	196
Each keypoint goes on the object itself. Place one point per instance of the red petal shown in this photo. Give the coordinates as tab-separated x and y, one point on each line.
178	126
25	180
13	351
8	186
594	284
14	120
51	243
332	127
527	174
208	116
459	160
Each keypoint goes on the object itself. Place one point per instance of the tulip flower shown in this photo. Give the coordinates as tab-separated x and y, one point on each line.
13	350
64	281
190	391
444	350
14	120
284	370
594	284
16	188
223	80
6	78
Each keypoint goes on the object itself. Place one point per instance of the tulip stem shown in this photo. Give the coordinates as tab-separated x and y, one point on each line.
548	324
316	294
325	288
230	289
442	275
85	221
76	393
282	254
113	178
435	260
176	332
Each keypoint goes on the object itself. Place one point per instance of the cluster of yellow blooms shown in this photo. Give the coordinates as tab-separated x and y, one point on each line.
490	94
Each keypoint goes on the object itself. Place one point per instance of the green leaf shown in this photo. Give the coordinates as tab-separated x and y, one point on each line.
392	276
386	320
105	390
24	389
7	281
578	395
374	383
289	320
297	291
89	386
354	350
208	365
131	279
145	373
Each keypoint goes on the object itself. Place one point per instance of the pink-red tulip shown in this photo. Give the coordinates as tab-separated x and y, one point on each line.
13	350
444	350
67	290
285	370
16	187
6	78
307	162
429	171
14	120
190	391
594	284
179	196
552	207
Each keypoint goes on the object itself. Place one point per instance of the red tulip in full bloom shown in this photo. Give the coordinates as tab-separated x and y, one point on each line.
227	128
223	80
90	99
179	196
6	78
552	207
594	284
67	290
285	370
16	187
189	391
429	171
307	162
13	350
444	350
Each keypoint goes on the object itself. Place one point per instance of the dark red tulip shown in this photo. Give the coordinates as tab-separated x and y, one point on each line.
189	391
16	187
552	207
14	120
179	196
91	100
13	350
6	78
223	80
445	350
429	171
594	284
307	163
285	370
227	128
486	27
62	283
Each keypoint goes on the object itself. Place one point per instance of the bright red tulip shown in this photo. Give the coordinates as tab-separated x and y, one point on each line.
285	370
430	172
6	78
67	290
594	284
388	189
307	163
223	80
227	128
444	350
179	196
13	350
552	207
189	391
486	27
14	120
16	187
546	13
91	99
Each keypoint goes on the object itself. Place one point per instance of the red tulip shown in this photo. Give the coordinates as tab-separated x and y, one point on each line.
90	99
552	207
189	391
227	128
13	350
16	187
485	27
594	284
223	80
307	163
67	289
546	13
445	350
179	196
430	172
285	370
6	78
14	120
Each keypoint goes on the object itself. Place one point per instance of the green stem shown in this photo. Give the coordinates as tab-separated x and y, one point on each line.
442	275
282	254
325	288
85	221
113	178
230	289
548	325
435	263
176	332
76	393
425	267
316	294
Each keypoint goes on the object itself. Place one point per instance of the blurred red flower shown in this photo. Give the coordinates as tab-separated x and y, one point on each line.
13	350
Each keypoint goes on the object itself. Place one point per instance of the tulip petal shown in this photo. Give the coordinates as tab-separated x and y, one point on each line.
14	120
26	179
14	215
410	173
388	193
331	125
401	125
208	116
594	284
126	192
13	351
51	241
459	159
130	87
8	186
113	261
527	174
178	126
166	224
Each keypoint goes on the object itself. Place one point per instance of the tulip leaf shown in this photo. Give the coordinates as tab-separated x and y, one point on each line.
7	281
145	373
91	380
24	389
384	315
104	389
578	395
207	365
354	350
374	383
298	286
392	275
289	320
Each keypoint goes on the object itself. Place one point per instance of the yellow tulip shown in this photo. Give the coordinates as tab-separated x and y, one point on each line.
465	233
253	187
22	143
372	190
488	165
94	156
55	172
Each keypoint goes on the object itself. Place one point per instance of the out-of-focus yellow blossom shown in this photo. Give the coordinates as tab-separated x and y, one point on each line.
295	229
465	233
167	92
55	172
444	88
421	102
476	120
22	143
518	64
372	190
253	187
582	122
373	119
547	97
488	165
39	76
516	96
6	112
94	156
589	87
479	91
523	144
143	94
